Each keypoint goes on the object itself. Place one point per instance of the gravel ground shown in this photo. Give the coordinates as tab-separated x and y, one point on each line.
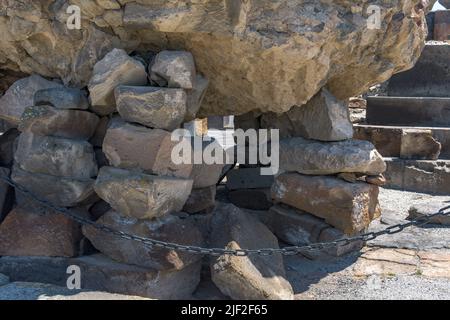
333	279
400	201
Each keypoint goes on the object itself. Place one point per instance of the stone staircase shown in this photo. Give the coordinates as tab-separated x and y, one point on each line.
411	126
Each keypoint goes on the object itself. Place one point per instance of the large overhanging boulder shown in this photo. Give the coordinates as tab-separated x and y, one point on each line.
259	55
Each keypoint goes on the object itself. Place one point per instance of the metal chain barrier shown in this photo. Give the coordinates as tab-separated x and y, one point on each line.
293	250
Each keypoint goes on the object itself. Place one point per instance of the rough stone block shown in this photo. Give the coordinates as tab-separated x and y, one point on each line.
48	121
140	195
66	192
419	144
169	228
174	69
251	277
427	176
200	199
319	158
56	156
135	147
39	231
349	207
323	118
298	228
20	95
62	98
116	68
154	107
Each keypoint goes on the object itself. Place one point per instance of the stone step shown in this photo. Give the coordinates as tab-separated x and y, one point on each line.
418	175
430	77
388	139
408	111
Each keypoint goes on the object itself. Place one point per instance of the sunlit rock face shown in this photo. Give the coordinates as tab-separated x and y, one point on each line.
259	55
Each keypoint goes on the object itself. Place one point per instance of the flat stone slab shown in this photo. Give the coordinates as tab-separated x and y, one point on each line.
388	139
418	175
43	291
100	273
408	111
429	77
324	158
349	207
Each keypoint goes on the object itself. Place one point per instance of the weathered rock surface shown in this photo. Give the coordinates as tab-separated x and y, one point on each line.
59	191
195	97
298	228
56	156
428	208
262	55
206	170
140	195
101	273
39	232
425	176
154	107
116	68
349	207
62	98
251	277
419	144
173	69
169	228
136	147
319	158
378	180
323	118
21	95
200	199
46	120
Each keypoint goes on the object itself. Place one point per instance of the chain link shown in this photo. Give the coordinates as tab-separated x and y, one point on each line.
287	251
